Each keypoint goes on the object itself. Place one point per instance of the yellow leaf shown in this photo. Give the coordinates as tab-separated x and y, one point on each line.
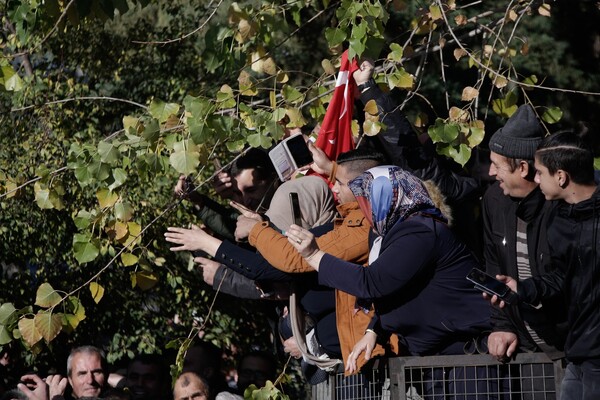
544	10
512	15
146	280
106	198
28	331
371	108
128	259
421	120
247	87
459	53
97	292
327	67
435	13
134	232
500	81
121	230
48	325
458	114
70	322
469	93
371	128
273	99
269	66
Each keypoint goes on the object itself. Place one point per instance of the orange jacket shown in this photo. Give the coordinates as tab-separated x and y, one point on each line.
349	240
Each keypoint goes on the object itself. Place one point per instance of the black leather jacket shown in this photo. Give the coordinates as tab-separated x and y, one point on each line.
573	233
500	214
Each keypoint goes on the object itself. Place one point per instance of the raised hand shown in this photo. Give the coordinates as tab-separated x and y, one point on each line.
192	240
366	345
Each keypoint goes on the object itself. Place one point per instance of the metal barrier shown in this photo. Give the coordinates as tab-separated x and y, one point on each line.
530	376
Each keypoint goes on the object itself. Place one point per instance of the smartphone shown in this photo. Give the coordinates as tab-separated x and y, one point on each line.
490	285
299	150
296	214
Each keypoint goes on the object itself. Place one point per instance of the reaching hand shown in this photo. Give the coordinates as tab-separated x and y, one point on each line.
34	387
209	269
192	240
366	344
321	163
245	221
184	189
56	385
225	186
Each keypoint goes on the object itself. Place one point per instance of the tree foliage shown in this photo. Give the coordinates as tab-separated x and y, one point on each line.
104	103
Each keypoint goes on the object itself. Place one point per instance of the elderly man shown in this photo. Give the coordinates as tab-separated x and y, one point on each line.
86	371
189	386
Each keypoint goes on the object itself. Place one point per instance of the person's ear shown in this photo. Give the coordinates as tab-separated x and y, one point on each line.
562	178
524	169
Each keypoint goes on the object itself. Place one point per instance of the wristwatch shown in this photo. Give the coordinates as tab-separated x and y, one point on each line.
367	85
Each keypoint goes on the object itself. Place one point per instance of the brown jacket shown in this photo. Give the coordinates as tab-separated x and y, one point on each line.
349	240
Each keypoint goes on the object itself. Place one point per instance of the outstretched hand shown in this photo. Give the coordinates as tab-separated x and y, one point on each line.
366	344
209	269
245	221
192	240
321	163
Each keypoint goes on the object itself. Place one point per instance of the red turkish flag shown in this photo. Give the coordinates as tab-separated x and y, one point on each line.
335	135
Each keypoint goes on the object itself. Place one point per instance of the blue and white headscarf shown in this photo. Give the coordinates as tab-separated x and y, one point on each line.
388	195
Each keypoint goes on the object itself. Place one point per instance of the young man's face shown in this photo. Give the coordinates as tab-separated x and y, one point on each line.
145	381
512	183
549	184
250	189
341	189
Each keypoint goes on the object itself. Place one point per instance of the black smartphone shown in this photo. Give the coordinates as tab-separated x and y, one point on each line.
296	213
490	285
299	150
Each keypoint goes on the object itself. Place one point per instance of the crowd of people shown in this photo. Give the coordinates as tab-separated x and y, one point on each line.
377	267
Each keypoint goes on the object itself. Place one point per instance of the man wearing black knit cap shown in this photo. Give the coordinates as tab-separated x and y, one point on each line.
514	218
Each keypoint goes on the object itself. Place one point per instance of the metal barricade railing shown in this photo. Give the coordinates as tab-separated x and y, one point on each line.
530	376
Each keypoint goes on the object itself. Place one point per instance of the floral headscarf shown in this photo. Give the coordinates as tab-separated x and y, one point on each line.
388	194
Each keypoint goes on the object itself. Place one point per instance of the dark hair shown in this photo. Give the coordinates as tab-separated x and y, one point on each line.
256	159
152	359
361	159
14	394
566	151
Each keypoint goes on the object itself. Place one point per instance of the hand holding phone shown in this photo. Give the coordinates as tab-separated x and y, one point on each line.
490	285
296	213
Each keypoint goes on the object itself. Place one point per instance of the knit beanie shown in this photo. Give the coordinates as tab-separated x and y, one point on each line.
520	136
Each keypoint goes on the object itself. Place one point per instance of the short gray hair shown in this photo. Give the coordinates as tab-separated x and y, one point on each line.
86	350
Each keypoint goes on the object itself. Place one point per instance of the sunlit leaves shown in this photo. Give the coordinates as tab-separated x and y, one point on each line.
46	197
106	198
225	97
7	313
291	94
396	53
552	115
401	79
109	153
469	93
85	247
97	291
144	280
247	84
506	106
10	79
46	296
48	324
29	331
334	36
128	259
185	158
161	110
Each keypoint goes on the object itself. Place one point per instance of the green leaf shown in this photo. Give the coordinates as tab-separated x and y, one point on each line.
401	79
501	107
97	292
48	324
371	128
83	219
12	81
119	178
463	154
29	332
124	211
7	313
291	94
443	132
42	196
185	162
476	136
161	110
85	248
396	53
334	36
76	307
258	140
151	131
552	115
5	336
109	153
46	296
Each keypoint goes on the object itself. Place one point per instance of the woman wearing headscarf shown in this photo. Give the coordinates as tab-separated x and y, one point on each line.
417	268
